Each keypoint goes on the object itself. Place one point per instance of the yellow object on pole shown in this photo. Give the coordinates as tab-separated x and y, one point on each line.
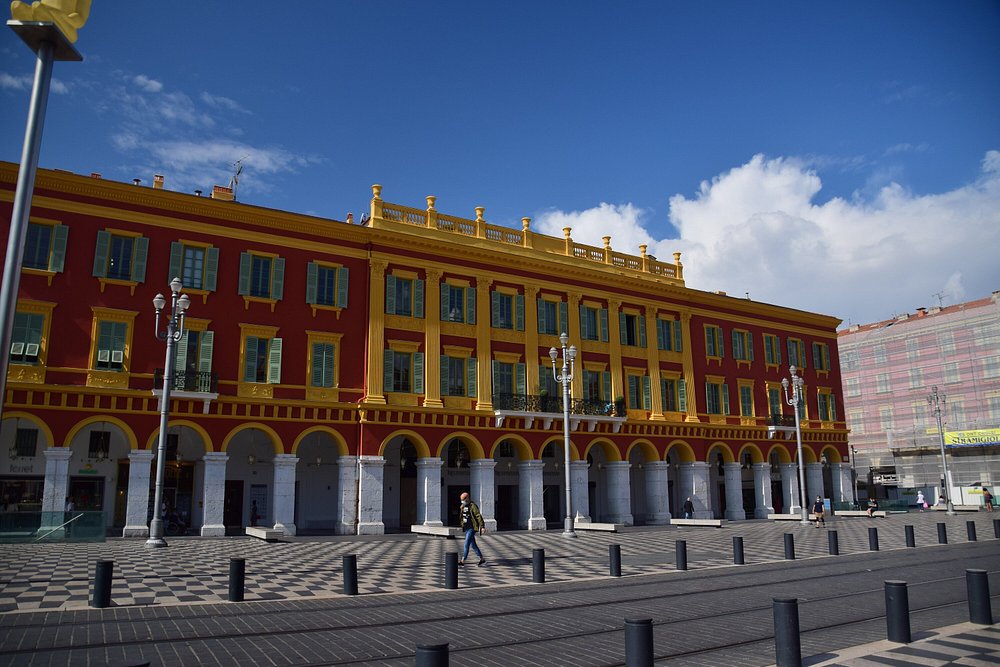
67	15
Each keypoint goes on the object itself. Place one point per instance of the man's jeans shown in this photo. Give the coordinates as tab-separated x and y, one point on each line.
470	540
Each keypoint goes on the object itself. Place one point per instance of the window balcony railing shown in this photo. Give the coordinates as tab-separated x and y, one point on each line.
194	381
781	420
549	408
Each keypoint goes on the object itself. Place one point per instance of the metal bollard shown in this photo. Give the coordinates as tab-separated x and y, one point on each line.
789	546
538	566
237	579
873	539
897	612
834	543
450	574
977	585
101	596
787	647
942	534
738	551
615	558
911	541
638	642
970	529
996	528
433	655
350	562
681	555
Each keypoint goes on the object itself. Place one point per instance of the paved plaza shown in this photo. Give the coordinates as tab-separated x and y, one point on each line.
169	606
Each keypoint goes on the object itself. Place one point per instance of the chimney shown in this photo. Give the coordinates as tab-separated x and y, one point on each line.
197	193
136	181
350	218
157	181
222	193
94	174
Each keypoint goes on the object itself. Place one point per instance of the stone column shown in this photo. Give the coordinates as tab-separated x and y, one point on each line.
482	488
531	514
137	508
734	492
214	496
619	492
814	482
347	511
763	502
284	493
657	492
55	488
790	489
429	491
370	491
580	490
693	479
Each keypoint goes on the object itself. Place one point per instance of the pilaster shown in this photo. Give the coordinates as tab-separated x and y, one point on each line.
734	492
790	488
214	497
573	303
653	365
615	351
55	489
531	339
137	507
483	490
688	365
657	492
693	479
284	493
484	351
347	510
376	331
580	489
432	340
814	482
429	491
531	514
763	502
370	490
619	492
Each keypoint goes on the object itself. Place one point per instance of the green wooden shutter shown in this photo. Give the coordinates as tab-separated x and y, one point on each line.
678	336
520	381
682	395
519	312
343	282
720	341
330	350
250	362
176	264
622	333
750	346
606	386
470	305
58	259
816	356
278	278
445	313
207	343
826	358
101	254
737	345
710	342
390	295
563	317
540	309
708	397
833	408
472	375
660	335
604	325
647	395
312	277
584	332
180	354
493	368
495	308
445	374
792	357
418	300
139	263
244	284
642	330
274	362
725	399
317	365
387	362
418	373
211	268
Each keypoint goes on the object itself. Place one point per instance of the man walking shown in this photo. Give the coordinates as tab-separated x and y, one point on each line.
472	523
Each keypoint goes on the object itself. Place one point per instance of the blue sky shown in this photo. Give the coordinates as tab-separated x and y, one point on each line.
840	157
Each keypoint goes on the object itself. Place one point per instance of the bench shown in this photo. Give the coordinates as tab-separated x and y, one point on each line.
448	532
958	508
711	523
266	534
878	513
790	517
591	525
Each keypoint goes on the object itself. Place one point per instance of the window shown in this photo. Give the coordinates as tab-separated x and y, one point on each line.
916	378
326	285
821	356
632	329
882	384
458	376
403	368
673	393
596	385
852	387
826	402
262	360
956	414
321	365
746	399
404	296
553	317
110	346
990	367
669	336
796	353
856	422
714	341
507	310
912	348
920	414
993	403
120	256
508	378
26	442
849	360
946	341
772	350
774	400
716	397
26	341
880	357
261	276
593	323
951	372
45	247
458	304
193	363
885	417
195	264
742	345
639	396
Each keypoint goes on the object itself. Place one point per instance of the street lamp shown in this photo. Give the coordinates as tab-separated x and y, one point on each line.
175	329
568	360
793	400
854	474
935	401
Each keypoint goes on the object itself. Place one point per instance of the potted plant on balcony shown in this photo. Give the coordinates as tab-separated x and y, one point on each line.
619	406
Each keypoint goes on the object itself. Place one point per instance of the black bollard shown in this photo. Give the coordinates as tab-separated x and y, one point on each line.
538	566
897	612
787	647
237	577
996	528
789	546
350	574
433	655
681	557
977	584
450	573
911	541
970	529
873	539
638	642
942	534
615	559
738	551
834	543
101	596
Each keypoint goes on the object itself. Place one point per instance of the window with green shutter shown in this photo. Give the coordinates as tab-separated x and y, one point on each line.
262	362
26	338
746	400
772	350
548	317
714	341
742	345
821	356
261	276
45	247
120	257
716	398
110	352
322	365
197	266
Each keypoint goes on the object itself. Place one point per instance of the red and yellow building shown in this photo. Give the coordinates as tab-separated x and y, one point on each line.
355	378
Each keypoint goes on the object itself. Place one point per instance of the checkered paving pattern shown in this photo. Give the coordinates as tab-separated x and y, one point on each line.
963	644
195	570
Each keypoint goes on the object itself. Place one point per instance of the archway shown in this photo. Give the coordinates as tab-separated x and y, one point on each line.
402	451
249	492
508	451
319	498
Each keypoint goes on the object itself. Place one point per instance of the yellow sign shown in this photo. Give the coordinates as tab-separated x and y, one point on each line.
980	438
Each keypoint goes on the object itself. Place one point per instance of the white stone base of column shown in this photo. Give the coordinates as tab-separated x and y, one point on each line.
736	515
433	523
343	529
704	514
658	519
286	528
538	523
491	525
623	519
135	531
213	530
372	528
762	512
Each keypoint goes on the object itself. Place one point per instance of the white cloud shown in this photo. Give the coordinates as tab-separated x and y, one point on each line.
147	84
26	81
756	229
220	102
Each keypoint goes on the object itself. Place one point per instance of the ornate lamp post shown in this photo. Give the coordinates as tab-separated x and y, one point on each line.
793	400
854	474
175	329
568	360
935	401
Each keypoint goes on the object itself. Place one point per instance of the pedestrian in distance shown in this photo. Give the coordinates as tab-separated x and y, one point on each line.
942	501
819	510
988	499
921	503
472	523
872	507
688	508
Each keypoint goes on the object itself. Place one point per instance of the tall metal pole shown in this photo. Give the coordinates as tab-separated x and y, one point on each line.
568	357
793	401
854	474
935	401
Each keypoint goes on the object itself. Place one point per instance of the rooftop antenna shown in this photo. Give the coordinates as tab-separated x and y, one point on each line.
940	298
237	170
